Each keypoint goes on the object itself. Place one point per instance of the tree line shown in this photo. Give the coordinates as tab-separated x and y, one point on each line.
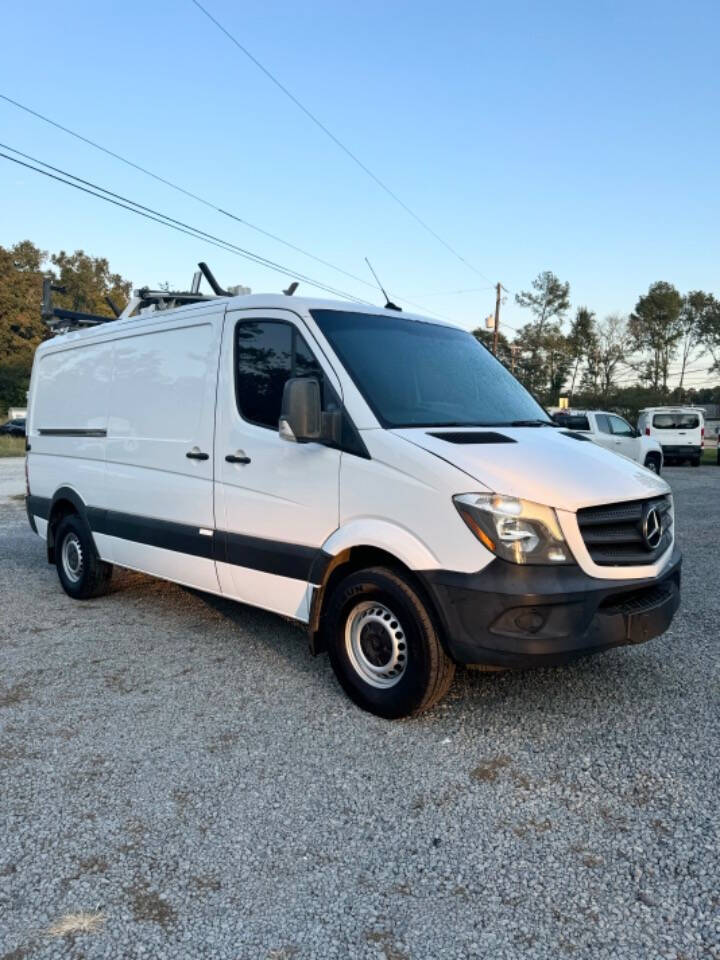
588	359
582	357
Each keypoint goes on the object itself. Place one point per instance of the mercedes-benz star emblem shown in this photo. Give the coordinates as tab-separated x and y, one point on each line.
652	528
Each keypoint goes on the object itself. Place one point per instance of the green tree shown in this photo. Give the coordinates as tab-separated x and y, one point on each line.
697	308
612	346
655	329
531	366
558	358
582	342
548	300
708	326
21	327
542	360
88	281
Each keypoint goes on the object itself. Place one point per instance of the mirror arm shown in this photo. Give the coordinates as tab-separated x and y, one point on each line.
331	426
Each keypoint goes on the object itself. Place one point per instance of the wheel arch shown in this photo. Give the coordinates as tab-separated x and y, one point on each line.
65	501
347	561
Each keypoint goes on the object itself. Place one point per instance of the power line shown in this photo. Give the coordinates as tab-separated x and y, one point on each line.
318	123
452	293
202	200
168	221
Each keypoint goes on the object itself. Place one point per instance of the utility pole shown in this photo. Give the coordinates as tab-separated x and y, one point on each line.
498	289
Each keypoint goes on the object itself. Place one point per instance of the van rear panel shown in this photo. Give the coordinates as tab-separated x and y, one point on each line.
679	432
68	418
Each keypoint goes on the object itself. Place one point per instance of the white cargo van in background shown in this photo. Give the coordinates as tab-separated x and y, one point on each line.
679	430
378	476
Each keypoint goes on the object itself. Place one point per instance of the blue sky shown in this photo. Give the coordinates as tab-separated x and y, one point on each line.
581	138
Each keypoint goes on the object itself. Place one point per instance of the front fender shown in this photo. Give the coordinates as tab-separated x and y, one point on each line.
385	535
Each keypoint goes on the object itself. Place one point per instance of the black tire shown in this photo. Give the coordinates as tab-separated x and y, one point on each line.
653	462
81	571
385	613
695	463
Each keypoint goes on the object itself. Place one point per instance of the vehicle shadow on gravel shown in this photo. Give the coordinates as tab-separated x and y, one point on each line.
610	677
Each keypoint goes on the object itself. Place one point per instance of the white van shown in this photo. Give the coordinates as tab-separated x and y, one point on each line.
679	430
376	475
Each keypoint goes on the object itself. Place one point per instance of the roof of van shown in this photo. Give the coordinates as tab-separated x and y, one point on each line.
673	408
267	301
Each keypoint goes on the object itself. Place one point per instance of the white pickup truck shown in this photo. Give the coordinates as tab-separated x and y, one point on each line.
613	432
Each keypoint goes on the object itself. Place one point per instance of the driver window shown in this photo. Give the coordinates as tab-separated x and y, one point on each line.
621	428
267	354
603	423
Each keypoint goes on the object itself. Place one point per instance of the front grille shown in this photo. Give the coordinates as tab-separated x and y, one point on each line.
614	534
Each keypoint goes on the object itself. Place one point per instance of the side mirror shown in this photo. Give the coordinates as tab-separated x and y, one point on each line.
301	413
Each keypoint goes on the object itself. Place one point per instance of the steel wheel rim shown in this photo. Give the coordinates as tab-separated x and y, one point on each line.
376	644
72	558
651	465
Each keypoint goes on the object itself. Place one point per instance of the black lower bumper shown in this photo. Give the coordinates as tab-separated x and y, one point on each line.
513	616
686	451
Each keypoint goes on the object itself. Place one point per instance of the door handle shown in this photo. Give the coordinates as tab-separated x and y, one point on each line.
196	454
238	457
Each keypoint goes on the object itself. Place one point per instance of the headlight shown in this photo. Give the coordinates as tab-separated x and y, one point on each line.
517	530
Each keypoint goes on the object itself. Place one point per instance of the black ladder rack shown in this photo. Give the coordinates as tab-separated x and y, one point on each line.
62	321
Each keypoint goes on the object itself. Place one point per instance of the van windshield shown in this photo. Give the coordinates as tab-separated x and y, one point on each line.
418	374
676	421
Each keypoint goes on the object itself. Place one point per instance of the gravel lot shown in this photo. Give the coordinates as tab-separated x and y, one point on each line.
181	766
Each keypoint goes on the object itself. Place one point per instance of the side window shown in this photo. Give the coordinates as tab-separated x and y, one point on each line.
267	354
620	427
603	423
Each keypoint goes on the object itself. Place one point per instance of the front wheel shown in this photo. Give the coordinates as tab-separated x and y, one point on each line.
652	462
384	646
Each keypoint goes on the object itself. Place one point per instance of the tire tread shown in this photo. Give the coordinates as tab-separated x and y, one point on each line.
441	668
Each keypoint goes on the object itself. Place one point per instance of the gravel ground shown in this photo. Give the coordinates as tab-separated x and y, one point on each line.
181	767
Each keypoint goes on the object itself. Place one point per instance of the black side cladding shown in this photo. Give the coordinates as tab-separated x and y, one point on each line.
292	560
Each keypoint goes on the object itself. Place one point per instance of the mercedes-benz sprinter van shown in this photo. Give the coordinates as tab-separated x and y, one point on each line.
379	476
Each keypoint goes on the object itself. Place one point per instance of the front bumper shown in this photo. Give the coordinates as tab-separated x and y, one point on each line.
514	616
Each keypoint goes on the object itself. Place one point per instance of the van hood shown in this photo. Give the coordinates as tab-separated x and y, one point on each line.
543	464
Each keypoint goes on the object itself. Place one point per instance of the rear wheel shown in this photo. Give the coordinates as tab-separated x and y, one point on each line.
653	462
384	646
81	571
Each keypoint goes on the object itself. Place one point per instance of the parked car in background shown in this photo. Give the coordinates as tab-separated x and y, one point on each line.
680	431
14	428
614	433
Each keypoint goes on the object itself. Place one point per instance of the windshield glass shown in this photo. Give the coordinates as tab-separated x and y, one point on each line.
676	421
417	374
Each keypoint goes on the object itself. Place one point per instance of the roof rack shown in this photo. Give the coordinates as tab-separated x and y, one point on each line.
169	299
62	321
